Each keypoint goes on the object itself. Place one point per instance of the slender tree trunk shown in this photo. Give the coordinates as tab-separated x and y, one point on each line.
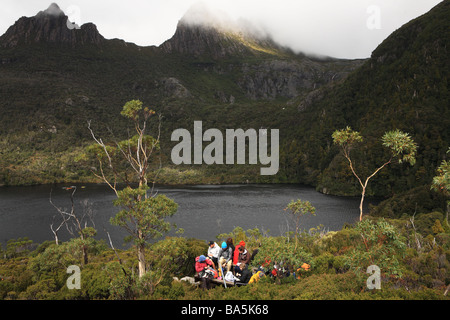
141	259
85	255
363	194
364	186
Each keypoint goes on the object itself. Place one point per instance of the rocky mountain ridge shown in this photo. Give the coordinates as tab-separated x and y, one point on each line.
265	69
50	26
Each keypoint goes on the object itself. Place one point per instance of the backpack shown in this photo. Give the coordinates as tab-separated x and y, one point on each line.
230	277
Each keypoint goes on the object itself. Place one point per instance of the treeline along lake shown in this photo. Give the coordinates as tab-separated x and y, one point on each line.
204	211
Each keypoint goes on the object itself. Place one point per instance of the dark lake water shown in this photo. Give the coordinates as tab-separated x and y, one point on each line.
204	211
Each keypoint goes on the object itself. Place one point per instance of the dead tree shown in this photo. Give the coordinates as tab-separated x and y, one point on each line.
78	227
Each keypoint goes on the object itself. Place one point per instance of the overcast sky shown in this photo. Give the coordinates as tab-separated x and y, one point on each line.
338	28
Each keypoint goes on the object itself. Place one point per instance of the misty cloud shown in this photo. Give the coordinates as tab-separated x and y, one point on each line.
203	14
328	27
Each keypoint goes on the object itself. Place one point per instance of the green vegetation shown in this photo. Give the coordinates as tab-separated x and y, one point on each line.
143	213
441	183
399	143
412	257
296	210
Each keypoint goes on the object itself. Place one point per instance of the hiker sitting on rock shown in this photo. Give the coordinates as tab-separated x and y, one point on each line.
225	256
206	271
202	263
213	252
243	259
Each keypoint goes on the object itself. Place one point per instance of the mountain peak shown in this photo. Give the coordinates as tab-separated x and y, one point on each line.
52	10
50	26
203	31
201	15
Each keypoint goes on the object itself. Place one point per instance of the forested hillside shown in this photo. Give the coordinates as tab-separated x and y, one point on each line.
404	85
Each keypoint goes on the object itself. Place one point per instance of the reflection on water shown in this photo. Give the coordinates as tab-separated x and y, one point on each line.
204	211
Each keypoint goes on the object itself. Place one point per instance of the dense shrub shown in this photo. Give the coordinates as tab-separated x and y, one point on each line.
280	252
329	263
338	263
381	245
425	223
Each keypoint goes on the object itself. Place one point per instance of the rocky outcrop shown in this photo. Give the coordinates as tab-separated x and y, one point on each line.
50	26
275	78
290	78
173	88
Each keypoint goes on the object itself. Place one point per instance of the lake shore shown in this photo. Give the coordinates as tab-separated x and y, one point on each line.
204	211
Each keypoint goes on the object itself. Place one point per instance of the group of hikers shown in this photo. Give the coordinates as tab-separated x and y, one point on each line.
230	263
225	262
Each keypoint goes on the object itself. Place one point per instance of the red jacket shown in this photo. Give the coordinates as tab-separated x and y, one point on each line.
199	266
236	252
